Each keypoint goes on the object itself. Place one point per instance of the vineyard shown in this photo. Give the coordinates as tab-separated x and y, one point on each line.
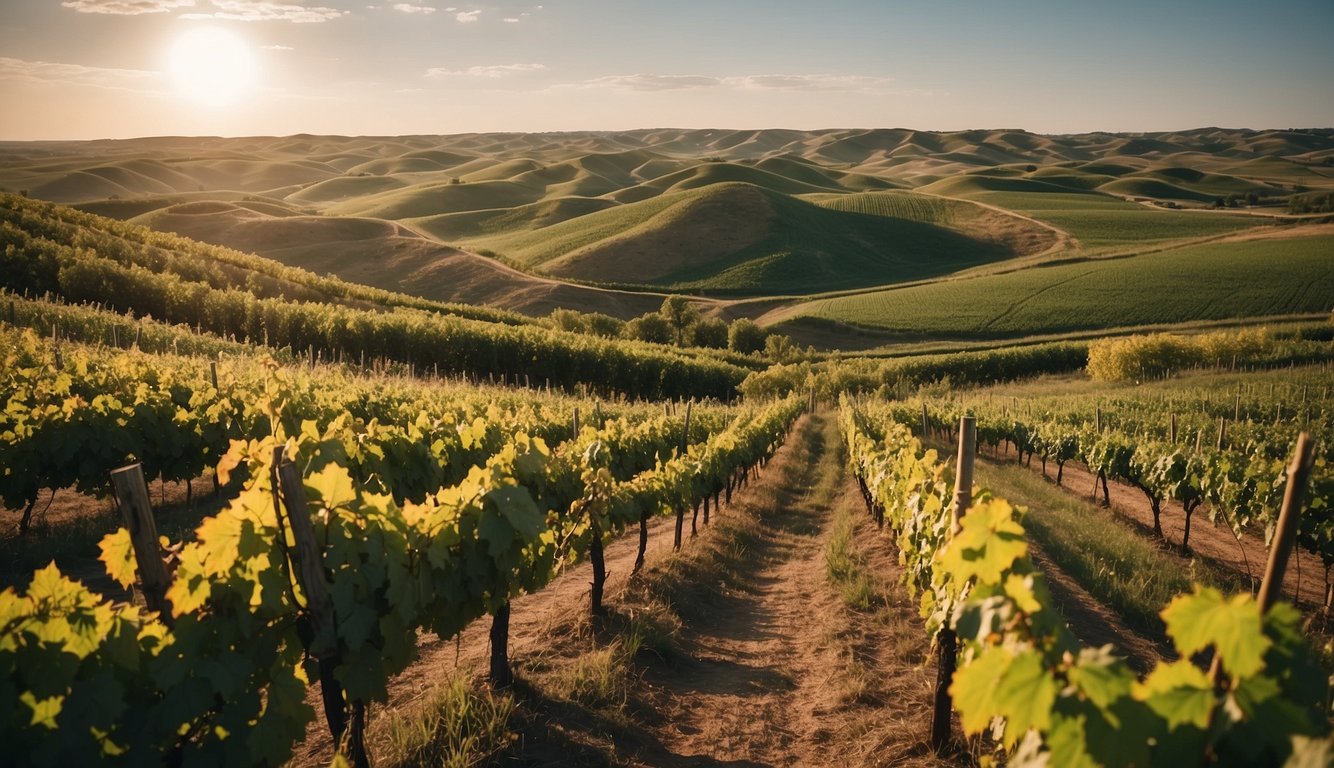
254	516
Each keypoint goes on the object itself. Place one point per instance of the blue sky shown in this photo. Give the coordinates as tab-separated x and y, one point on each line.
117	68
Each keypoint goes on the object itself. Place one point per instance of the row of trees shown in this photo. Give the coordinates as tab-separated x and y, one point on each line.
680	322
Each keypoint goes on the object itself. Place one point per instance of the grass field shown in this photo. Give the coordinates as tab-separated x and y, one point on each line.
740	238
1202	282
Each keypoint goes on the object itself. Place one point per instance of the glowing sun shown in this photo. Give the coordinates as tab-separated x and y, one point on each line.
212	66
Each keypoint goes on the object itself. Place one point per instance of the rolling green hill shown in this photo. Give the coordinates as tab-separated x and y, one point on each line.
740	238
601	221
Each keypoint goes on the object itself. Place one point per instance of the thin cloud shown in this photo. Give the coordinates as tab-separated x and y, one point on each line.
510	20
812	82
647	82
277	48
410	8
55	73
126	7
491	71
265	10
467	17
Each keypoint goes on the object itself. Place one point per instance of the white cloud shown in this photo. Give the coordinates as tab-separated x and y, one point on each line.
491	71
467	17
126	7
47	72
277	48
510	20
646	82
410	8
814	82
266	10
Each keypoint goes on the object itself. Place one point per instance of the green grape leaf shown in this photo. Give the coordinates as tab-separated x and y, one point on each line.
332	485
518	507
118	557
1100	677
1179	693
1232	625
988	545
190	588
1000	683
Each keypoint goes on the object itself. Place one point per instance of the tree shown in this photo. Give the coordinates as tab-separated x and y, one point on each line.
746	336
650	327
567	320
606	326
680	314
780	348
709	332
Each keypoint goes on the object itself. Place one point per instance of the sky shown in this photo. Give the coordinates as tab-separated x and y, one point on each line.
83	69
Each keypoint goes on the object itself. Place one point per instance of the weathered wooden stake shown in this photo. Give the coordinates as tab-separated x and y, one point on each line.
500	674
1222	432
308	567
1285	534
137	511
213	373
1299	472
947	643
1173	436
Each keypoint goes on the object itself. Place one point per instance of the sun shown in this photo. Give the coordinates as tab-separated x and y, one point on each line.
212	67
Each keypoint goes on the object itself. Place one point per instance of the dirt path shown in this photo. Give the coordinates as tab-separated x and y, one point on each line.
1305	576
781	672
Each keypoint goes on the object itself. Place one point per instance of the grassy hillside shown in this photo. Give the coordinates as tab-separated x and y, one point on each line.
740	238
604	219
1244	278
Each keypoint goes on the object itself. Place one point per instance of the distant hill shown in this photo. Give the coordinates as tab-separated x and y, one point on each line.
752	220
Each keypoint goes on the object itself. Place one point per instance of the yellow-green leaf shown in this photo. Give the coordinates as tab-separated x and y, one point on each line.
118	557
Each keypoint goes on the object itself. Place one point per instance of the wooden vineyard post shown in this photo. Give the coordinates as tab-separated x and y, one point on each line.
137	512
213	373
924	420
1172	438
1222	432
595	557
680	508
1285	534
319	611
500	674
1097	419
1299	472
55	346
947	643
115	338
